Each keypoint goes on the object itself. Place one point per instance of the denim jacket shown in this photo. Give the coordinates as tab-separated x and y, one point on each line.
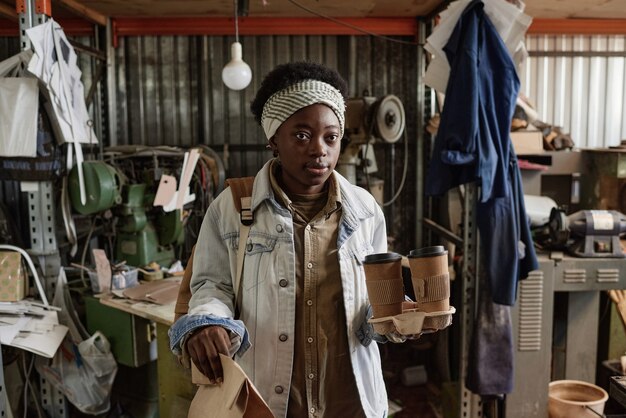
268	302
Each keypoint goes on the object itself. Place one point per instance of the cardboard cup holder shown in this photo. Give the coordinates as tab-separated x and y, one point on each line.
413	322
431	283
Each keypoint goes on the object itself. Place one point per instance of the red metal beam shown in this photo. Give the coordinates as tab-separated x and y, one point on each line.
73	27
578	26
263	26
400	26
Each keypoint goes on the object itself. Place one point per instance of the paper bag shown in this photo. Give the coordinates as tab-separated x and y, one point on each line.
12	277
235	398
19	104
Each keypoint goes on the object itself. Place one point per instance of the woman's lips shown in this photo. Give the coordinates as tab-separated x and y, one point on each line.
317	168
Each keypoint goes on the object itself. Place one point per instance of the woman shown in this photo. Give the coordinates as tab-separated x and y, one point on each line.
299	335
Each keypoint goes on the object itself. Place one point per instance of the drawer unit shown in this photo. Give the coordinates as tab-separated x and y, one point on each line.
132	338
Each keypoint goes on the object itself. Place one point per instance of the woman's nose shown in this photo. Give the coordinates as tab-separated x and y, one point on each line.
317	146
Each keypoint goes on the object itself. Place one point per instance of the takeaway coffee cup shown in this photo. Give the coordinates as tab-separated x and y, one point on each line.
383	278
430	278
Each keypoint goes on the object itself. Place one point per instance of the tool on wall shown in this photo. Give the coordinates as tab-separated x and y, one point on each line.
369	118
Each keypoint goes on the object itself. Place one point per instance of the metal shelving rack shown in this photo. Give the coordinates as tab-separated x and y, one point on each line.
41	211
470	405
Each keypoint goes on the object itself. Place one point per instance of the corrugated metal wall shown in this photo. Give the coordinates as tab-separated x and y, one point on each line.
169	92
579	83
169	88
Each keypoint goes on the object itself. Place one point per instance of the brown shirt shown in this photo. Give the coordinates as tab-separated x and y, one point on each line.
322	382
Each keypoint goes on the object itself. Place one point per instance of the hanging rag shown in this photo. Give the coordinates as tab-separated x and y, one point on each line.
491	355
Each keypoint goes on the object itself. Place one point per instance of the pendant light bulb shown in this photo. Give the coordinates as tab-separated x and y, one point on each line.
236	74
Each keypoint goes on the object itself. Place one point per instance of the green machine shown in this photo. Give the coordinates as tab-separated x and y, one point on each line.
101	186
139	241
145	233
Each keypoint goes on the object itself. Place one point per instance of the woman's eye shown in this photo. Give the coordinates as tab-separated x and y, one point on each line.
302	136
332	138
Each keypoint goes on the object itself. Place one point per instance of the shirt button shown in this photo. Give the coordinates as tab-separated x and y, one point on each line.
310	265
283	283
249	247
310	339
283	337
309	302
312	410
308	227
279	228
278	389
311	375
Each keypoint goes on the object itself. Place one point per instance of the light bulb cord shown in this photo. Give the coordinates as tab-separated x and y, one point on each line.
236	21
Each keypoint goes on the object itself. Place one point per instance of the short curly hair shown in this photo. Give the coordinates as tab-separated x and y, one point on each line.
285	75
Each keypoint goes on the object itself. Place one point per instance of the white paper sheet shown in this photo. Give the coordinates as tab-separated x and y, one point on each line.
41	334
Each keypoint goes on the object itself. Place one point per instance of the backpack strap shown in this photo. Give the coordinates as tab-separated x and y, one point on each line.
184	292
241	189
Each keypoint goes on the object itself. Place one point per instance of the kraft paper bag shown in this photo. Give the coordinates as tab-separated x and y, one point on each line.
236	397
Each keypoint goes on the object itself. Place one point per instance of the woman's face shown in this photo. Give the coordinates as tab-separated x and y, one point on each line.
308	145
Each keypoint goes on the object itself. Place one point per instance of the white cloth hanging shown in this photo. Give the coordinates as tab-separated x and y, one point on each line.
54	63
510	22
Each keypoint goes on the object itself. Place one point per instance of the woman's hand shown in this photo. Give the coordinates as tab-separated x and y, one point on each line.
204	348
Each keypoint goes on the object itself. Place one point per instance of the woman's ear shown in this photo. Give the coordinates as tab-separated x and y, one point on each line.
273	146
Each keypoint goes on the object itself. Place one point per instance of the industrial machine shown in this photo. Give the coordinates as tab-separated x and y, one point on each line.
586	233
126	185
369	118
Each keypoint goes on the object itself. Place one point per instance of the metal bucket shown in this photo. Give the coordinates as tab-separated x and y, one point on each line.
575	399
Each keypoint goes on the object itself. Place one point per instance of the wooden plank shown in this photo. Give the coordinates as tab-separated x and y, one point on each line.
8	12
84	11
163	314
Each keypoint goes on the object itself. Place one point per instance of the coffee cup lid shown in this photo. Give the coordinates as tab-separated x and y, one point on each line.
381	258
433	251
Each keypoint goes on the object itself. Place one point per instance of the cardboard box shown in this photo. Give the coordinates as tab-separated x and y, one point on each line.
527	142
12	277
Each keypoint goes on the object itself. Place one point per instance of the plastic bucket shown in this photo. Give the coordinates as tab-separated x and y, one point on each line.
575	399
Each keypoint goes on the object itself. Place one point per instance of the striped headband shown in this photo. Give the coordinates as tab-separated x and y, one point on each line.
284	103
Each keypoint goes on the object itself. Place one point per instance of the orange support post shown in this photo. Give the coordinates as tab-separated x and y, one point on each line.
43	7
20	6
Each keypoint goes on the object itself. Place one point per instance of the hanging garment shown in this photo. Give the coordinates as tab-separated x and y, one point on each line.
473	144
490	364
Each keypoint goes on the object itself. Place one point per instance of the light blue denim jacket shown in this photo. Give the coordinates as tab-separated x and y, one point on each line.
269	307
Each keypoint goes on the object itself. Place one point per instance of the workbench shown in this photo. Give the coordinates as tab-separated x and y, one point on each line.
555	326
175	387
